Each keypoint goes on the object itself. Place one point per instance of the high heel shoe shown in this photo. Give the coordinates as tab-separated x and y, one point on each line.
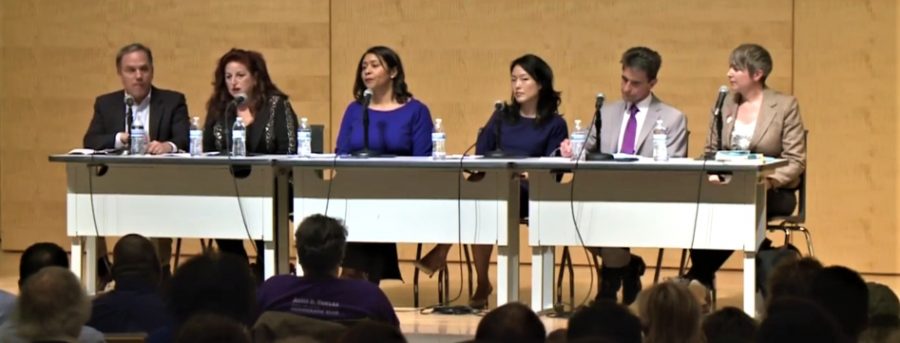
428	270
480	298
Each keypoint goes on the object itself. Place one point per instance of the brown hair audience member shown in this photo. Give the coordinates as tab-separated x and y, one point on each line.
511	323
729	325
670	314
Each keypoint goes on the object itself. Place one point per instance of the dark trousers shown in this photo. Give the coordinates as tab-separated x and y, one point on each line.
236	247
705	263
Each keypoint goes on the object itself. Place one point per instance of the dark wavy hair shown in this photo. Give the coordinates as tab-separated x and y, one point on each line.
264	88
391	61
548	98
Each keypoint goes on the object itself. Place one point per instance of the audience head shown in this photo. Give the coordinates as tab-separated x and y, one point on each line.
321	241
240	72
373	331
884	310
729	325
882	301
670	313
134	256
381	70
605	319
134	65
640	66
52	305
513	323
40	255
791	320
792	278
531	82
212	328
213	283
843	294
749	64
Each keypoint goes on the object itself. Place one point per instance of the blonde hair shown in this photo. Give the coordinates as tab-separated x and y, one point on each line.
670	314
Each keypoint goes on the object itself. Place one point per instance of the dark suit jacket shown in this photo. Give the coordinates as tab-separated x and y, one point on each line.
779	133
273	130
168	119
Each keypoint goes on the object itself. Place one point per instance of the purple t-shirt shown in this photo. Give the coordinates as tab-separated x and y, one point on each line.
405	131
328	299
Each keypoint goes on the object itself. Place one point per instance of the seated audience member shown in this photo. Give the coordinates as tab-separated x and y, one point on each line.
729	325
792	278
52	307
373	331
558	336
842	293
36	257
220	284
7	300
511	323
605	319
670	313
212	328
135	305
884	309
794	320
319	293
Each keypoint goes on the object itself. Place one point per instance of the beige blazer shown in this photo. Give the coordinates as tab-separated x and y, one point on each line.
674	121
779	133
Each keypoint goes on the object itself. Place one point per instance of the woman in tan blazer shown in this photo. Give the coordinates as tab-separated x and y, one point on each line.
761	120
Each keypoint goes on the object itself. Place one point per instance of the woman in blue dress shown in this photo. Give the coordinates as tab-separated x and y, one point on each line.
530	125
398	125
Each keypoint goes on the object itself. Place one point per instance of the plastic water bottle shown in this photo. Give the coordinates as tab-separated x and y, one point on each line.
438	141
660	151
304	138
138	137
196	137
579	136
239	146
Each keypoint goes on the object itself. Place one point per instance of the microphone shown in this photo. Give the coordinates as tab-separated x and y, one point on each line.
717	117
129	120
596	155
365	152
497	121
239	99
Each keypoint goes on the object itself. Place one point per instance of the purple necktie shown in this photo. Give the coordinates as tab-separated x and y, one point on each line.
630	131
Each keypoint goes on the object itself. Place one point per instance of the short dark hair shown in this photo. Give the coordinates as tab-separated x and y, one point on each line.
132	48
513	322
792	278
798	320
135	256
213	283
40	255
321	242
642	58
549	98
729	324
607	319
844	294
391	61
751	57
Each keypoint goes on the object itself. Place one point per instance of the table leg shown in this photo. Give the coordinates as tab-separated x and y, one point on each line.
542	267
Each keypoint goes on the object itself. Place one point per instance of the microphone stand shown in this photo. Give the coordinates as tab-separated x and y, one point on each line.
365	152
498	134
596	155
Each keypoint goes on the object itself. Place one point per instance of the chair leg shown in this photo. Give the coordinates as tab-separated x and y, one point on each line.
565	261
659	259
416	277
465	248
571	281
177	251
683	264
809	242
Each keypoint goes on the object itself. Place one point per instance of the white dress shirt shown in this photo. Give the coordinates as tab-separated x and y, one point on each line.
643	106
140	111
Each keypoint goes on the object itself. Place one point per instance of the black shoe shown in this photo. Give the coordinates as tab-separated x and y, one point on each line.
631	281
610	282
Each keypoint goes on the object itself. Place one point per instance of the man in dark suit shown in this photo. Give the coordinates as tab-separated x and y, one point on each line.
163	113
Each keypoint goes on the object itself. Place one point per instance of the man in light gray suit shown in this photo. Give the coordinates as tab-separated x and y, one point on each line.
627	127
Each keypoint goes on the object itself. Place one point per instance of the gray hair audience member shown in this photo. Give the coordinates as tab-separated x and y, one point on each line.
670	313
511	323
729	325
52	306
605	319
843	294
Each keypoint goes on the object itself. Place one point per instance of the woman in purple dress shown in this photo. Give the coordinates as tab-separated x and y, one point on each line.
531	126
398	125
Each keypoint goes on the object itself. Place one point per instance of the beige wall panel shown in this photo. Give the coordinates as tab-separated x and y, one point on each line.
60	55
846	82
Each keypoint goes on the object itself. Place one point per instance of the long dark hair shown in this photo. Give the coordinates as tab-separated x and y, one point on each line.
391	61
264	88
548	98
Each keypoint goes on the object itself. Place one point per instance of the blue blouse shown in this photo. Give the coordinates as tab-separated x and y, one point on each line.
405	131
524	137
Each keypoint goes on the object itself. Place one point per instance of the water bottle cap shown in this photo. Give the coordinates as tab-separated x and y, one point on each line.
304	119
